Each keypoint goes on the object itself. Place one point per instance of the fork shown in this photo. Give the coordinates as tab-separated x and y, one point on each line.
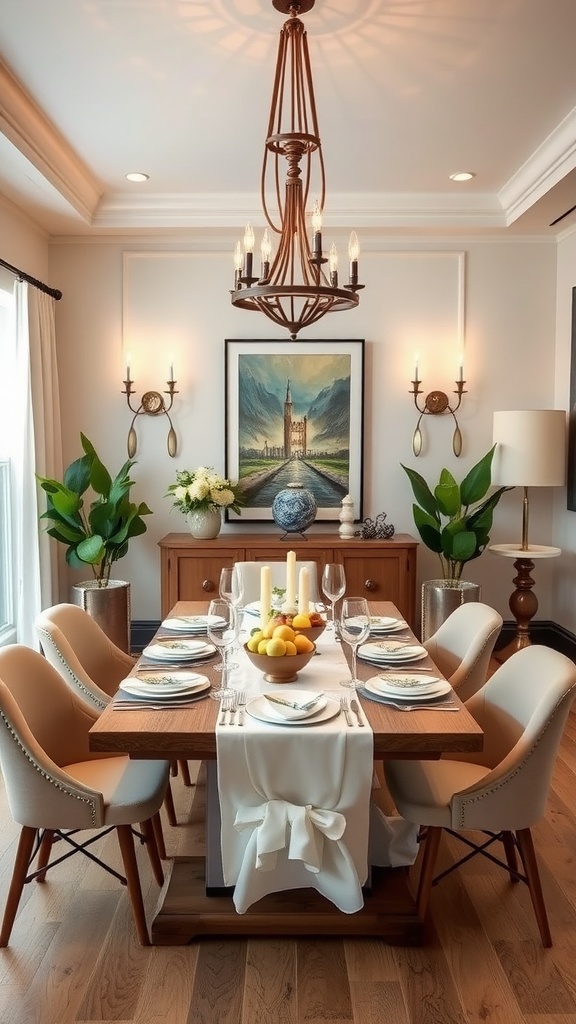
447	706
241	701
345	709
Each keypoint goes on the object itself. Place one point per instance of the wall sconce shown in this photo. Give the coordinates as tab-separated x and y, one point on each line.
152	404
436	403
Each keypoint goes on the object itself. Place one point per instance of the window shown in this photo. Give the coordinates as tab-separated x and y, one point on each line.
7	370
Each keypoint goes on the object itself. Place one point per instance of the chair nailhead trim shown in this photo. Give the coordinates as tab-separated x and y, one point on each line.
44	774
77	682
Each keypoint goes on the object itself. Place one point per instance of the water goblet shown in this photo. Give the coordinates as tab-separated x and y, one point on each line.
223	633
354	629
333	587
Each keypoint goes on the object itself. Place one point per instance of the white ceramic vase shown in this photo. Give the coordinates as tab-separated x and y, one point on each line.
205	523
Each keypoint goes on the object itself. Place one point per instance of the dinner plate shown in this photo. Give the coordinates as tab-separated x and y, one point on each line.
428	689
189	623
264	711
159	685
178	650
391	648
386	624
389	698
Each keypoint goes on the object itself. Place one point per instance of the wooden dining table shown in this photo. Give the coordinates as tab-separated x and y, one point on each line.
187	910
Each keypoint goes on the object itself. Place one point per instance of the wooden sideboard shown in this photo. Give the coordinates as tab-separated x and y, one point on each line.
381	570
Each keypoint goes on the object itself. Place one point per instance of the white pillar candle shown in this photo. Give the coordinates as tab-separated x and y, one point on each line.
290	595
265	595
304	592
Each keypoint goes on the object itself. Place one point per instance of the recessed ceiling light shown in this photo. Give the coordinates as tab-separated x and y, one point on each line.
462	176
137	176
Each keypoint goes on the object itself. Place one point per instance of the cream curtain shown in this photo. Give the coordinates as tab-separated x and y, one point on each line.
39	437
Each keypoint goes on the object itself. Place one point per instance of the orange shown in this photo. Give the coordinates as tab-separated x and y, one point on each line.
302	644
291	648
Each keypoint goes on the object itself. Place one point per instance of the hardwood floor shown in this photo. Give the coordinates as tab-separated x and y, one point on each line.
74	958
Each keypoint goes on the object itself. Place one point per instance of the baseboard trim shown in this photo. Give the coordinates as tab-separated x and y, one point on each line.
545	632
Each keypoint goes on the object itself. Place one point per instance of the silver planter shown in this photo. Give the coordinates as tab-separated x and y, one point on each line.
109	606
440	598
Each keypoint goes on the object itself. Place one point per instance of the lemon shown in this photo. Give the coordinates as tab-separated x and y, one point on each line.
290	648
284	632
262	647
301	622
275	647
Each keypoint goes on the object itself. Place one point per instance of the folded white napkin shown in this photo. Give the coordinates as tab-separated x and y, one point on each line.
295	801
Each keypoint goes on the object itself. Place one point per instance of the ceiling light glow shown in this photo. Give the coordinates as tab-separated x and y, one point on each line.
137	176
462	176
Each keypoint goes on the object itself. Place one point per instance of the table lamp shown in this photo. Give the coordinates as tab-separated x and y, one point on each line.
530	452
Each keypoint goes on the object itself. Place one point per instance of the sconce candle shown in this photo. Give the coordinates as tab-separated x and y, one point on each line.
461	369
416	378
128	378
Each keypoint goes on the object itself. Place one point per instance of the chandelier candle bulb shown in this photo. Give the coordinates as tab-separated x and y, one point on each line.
353	253
249	250
265	595
304	592
265	252
317	226
333	263
238	260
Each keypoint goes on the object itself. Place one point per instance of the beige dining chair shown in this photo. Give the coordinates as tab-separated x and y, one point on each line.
501	790
250	576
462	646
91	665
56	786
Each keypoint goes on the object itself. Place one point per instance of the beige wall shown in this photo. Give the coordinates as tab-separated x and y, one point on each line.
564	594
176	302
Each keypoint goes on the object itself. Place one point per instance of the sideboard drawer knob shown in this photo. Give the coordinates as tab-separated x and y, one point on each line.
371	585
208	586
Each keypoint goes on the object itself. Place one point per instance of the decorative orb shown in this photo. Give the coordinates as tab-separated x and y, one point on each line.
294	508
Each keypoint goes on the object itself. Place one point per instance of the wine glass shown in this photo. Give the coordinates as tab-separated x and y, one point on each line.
333	586
231	589
223	633
225	586
354	629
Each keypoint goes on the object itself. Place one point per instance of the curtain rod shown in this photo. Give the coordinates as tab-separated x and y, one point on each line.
54	292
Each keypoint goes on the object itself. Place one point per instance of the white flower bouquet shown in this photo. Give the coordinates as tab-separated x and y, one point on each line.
202	488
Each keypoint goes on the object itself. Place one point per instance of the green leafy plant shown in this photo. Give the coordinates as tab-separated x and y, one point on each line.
96	534
453	520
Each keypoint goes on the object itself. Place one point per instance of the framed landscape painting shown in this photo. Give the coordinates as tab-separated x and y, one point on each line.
294	414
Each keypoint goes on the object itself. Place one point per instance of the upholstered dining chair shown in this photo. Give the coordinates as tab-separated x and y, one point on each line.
92	666
502	790
462	646
56	786
250	576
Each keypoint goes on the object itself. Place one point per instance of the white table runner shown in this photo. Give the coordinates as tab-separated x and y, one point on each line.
295	801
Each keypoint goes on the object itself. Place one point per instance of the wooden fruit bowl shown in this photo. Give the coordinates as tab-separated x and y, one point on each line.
280	670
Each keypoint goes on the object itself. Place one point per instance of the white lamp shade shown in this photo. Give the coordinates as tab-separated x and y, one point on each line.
530	448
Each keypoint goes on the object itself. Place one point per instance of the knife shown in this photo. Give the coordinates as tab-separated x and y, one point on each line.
292	703
356	709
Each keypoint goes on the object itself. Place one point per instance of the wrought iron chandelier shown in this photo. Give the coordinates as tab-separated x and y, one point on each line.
292	289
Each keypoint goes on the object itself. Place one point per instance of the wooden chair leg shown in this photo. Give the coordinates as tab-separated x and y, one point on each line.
44	852
510	851
149	828
528	855
159	836
126	843
169	805
185	772
23	854
431	845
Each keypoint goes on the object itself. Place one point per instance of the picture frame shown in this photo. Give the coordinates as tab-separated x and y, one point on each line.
294	408
571	468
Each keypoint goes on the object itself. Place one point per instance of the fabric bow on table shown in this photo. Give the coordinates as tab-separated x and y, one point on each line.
279	824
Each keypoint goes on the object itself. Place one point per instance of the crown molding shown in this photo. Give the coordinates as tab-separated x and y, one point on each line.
34	135
551	162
